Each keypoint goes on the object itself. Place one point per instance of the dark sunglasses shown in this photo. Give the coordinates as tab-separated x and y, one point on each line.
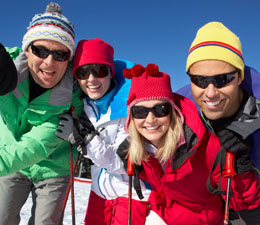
43	53
159	110
97	70
219	80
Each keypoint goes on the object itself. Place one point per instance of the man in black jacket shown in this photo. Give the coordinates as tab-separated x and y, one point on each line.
8	73
216	69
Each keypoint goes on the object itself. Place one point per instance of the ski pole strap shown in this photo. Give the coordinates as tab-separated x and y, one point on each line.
220	158
137	187
131	171
122	152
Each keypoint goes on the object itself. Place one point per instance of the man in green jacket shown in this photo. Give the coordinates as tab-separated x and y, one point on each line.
32	158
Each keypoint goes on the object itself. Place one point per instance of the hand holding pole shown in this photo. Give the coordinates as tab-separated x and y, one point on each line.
229	173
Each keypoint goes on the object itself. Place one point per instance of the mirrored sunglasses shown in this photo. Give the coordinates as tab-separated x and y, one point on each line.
97	70
43	53
159	110
219	80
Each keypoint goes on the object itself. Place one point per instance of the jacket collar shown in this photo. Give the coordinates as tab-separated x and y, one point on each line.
61	94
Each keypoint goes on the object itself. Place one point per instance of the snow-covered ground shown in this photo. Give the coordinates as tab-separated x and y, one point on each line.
81	193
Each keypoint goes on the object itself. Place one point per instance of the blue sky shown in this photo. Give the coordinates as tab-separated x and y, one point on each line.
144	31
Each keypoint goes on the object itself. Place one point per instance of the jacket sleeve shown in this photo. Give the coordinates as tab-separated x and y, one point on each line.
103	154
250	216
34	146
246	200
245	189
8	73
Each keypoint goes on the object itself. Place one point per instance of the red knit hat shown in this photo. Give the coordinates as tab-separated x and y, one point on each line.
94	51
147	84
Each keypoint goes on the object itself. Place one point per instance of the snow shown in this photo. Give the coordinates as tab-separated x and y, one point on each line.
81	194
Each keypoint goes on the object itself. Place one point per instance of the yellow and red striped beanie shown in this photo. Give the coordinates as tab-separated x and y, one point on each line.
215	41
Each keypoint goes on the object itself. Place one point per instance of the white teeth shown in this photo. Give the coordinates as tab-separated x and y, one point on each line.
151	128
93	87
47	71
213	103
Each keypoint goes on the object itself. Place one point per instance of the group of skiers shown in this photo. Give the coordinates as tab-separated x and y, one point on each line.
126	120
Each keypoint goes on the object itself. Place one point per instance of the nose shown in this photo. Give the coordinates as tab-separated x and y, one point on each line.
49	60
91	77
150	117
211	91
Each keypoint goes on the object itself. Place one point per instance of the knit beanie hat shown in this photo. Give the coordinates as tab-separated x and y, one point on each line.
51	25
8	72
147	84
215	41
94	51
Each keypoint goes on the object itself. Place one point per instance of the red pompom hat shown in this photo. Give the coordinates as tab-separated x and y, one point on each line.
94	51
148	84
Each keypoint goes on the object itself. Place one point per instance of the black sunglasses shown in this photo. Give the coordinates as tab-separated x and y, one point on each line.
43	53
159	110
219	80
97	70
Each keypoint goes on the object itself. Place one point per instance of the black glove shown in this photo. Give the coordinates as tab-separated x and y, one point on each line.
68	132
86	128
233	142
122	152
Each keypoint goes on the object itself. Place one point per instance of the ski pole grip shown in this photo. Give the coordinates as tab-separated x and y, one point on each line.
130	167
230	164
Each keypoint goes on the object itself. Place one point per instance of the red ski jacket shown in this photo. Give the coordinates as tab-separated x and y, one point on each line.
179	194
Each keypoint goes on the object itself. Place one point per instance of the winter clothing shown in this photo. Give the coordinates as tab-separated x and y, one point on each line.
109	179
251	85
232	141
115	211
97	207
215	41
28	143
32	158
78	134
235	144
177	195
49	198
8	73
95	51
30	127
118	214
51	25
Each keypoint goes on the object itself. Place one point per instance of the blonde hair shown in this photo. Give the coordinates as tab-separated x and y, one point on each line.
166	148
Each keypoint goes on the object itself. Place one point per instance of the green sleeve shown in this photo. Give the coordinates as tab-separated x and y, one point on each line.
13	52
36	145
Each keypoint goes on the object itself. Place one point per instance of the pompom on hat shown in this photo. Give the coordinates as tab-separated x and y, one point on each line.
217	42
94	51
51	25
148	84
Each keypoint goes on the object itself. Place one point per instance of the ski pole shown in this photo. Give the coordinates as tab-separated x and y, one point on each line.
229	173
71	184
130	173
67	193
72	187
